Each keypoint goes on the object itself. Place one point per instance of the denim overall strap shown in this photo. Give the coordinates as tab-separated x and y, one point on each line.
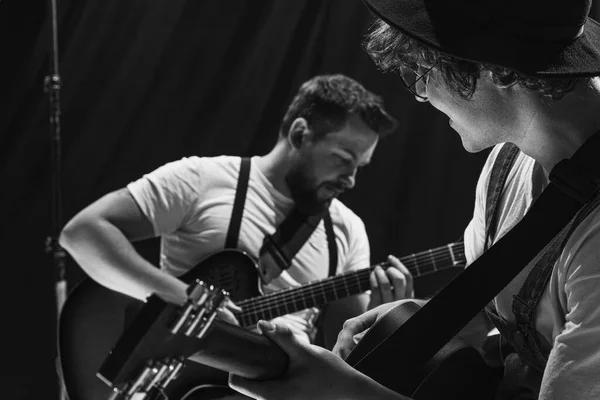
499	174
525	351
502	165
525	302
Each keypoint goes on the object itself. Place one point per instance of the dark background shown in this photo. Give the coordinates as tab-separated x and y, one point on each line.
146	82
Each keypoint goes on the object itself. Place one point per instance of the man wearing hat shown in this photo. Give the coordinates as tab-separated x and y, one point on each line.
519	72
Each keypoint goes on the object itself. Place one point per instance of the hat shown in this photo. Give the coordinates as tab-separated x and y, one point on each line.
535	37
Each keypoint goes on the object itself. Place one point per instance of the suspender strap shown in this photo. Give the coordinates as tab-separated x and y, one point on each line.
502	165
233	232
331	243
291	234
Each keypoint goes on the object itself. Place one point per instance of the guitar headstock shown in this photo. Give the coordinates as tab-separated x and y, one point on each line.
152	350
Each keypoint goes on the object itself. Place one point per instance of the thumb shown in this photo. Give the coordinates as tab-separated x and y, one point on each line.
281	335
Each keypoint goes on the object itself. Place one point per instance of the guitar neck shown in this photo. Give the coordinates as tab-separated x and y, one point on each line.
329	289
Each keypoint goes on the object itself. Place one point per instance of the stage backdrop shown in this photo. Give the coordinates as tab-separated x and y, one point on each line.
146	82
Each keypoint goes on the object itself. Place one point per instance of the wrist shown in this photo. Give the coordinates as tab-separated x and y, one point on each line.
170	288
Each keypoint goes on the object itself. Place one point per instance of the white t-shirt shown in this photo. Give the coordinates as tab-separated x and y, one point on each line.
190	201
568	315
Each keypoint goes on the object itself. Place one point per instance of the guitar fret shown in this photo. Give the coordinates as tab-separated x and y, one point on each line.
451	254
251	320
357	279
282	309
297	305
335	296
287	311
413	260
432	260
312	296
243	320
416	264
346	287
269	314
324	294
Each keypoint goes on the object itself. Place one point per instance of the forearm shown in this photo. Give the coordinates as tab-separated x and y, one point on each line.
108	257
367	388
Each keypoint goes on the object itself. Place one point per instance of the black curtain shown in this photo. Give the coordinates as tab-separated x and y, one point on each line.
146	82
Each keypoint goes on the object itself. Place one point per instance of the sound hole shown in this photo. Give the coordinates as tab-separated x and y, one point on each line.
226	277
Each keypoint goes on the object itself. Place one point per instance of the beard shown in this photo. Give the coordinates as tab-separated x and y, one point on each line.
304	191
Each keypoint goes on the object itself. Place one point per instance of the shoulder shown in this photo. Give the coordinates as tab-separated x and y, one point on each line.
208	164
191	173
203	168
581	254
339	210
520	172
346	219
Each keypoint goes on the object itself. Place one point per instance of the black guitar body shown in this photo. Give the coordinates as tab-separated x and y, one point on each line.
231	270
90	309
457	372
94	317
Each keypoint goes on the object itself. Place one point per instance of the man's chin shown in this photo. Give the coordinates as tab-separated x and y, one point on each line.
472	147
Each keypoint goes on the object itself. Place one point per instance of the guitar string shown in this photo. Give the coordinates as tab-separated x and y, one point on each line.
317	286
416	271
265	305
282	299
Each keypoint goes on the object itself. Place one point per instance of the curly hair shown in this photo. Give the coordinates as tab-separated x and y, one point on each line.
328	101
391	50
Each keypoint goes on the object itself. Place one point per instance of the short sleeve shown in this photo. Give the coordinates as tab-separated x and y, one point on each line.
359	256
168	194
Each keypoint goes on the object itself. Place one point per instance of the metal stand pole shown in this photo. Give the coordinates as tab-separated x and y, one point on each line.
52	86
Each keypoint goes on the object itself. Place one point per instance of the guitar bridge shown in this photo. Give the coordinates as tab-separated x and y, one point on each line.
151	382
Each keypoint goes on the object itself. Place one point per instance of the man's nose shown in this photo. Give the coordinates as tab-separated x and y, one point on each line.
349	179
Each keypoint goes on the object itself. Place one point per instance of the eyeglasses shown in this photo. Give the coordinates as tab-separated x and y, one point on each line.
410	77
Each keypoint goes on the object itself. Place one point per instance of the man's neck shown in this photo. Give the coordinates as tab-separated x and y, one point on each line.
274	166
560	127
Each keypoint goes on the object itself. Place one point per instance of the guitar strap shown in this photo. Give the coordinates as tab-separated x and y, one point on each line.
279	249
233	232
573	184
292	233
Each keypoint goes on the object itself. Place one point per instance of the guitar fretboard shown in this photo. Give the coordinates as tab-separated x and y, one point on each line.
330	289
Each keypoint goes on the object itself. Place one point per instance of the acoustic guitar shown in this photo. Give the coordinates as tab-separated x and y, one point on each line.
94	318
150	353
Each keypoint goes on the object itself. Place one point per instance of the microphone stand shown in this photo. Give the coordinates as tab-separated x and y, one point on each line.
52	86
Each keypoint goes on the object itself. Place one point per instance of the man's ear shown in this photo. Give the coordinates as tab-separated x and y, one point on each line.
298	132
503	83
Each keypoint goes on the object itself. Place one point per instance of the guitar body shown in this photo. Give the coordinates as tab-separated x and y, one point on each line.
94	317
91	321
457	371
